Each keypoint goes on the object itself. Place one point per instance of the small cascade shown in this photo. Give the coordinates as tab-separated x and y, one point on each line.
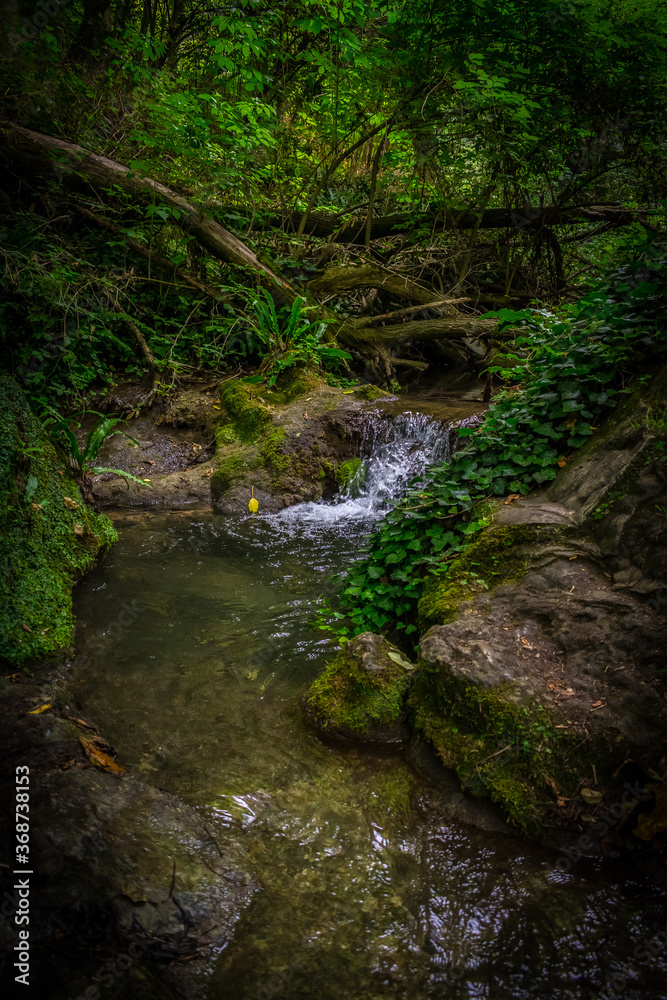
394	450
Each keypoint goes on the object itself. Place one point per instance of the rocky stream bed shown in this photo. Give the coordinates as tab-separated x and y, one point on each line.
167	866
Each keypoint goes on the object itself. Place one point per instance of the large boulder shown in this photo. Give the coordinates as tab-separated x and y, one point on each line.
128	877
542	677
361	693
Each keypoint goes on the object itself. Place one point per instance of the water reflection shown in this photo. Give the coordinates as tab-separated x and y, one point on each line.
368	890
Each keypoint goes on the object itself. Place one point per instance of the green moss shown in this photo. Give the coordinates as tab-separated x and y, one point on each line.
502	749
225	435
299	381
495	557
346	697
46	543
350	475
245	408
371	392
232	468
271	451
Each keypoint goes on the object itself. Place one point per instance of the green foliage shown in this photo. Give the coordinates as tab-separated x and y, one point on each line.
573	374
46	542
291	339
61	434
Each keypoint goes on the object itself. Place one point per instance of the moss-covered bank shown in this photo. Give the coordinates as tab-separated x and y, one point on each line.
540	677
48	536
295	441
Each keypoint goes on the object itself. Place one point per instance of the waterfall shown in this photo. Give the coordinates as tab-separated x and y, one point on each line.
394	450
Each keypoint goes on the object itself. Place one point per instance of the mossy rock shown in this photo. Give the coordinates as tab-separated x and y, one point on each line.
297	382
49	536
499	739
245	408
271	451
234	466
371	392
496	557
361	694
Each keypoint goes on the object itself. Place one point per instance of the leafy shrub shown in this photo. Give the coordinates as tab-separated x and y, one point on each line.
292	339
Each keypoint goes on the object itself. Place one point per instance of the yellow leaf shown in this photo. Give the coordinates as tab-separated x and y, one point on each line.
42	708
78	529
253	506
69	503
98	757
35	506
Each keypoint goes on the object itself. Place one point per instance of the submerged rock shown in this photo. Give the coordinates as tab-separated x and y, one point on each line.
361	694
128	876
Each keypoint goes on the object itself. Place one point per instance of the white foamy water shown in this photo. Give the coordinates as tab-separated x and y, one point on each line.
394	451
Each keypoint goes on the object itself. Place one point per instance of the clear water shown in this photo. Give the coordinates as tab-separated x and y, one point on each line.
369	888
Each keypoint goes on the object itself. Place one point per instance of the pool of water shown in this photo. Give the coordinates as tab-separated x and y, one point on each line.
368	890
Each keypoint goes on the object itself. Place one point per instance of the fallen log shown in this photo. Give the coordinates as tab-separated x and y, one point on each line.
75	167
335	280
445	328
340	229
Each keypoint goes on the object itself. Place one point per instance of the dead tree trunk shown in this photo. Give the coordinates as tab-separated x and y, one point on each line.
75	167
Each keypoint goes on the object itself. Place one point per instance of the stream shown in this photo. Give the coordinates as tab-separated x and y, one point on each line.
369	887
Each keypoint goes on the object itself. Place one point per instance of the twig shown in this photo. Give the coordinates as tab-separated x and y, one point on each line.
496	754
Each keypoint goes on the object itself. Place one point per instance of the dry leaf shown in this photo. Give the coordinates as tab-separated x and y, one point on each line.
597	704
209	472
525	642
42	708
562	802
35	506
513	496
26	627
571	422
98	757
562	462
79	722
552	785
70	504
78	529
